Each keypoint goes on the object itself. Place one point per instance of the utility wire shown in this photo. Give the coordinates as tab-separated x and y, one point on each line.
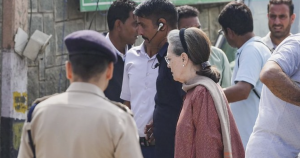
30	19
94	15
62	46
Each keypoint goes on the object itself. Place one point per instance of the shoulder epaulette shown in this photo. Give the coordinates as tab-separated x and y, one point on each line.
123	107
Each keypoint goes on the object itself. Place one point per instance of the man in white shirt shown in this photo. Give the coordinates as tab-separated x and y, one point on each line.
139	89
244	94
276	131
280	18
155	19
122	26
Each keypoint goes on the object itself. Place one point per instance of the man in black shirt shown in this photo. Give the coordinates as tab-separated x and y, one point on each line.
122	32
156	18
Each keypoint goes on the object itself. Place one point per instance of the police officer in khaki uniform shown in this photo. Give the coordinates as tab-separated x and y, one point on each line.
82	122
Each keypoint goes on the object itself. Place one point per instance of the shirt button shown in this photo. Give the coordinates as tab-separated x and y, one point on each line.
147	74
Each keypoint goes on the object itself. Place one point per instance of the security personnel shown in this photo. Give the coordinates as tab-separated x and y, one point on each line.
82	122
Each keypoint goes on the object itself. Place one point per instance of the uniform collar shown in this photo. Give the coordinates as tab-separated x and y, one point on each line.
118	52
85	88
162	52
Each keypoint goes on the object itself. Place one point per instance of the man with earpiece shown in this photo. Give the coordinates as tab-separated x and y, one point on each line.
139	80
155	18
139	89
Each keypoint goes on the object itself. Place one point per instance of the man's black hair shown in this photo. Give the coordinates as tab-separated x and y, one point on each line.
237	17
156	9
186	11
119	10
289	3
87	66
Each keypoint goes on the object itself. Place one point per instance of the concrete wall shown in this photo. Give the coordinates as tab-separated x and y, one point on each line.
209	19
46	75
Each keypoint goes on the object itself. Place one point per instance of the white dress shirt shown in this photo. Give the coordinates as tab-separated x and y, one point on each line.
139	85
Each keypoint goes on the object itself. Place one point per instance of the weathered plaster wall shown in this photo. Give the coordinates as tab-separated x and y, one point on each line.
46	75
209	19
13	81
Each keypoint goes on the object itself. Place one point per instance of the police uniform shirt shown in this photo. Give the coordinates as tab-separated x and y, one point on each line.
80	123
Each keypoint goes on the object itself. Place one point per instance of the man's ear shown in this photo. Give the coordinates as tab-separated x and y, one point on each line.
230	33
118	24
293	16
164	22
110	70
69	70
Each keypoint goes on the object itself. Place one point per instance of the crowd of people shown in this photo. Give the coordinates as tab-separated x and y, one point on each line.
173	96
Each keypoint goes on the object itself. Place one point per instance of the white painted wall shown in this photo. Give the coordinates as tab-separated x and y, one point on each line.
14	79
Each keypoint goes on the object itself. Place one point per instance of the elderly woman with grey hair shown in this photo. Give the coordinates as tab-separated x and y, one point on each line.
206	127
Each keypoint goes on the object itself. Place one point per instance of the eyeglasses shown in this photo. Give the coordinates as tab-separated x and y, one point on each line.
167	60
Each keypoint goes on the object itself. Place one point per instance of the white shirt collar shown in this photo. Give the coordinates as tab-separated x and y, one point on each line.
141	49
268	41
250	40
118	52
